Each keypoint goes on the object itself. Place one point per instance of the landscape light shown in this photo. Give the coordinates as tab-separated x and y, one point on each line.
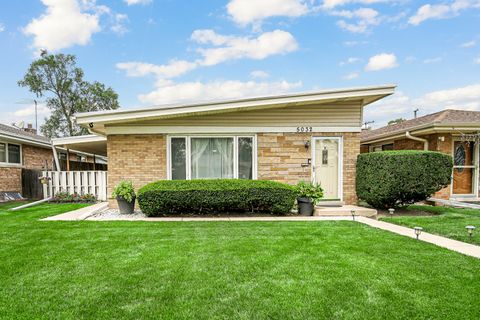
353	214
391	210
470	230
418	231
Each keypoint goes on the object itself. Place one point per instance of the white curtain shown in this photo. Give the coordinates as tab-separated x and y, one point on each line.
212	158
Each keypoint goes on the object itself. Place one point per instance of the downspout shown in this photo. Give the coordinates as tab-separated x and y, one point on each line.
425	141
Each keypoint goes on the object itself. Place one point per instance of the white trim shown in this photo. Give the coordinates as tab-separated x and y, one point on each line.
78	139
340	162
188	153
367	94
475	167
215	130
11	164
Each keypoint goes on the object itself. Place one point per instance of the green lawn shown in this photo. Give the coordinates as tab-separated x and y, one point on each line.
448	222
225	270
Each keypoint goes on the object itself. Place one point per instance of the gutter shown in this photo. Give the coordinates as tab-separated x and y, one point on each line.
425	141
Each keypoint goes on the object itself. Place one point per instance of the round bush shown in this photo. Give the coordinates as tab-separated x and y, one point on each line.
390	179
214	196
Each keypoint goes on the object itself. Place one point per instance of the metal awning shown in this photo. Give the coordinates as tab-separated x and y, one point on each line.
90	144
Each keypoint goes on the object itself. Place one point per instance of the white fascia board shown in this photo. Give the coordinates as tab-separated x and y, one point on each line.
212	130
112	116
77	139
23	140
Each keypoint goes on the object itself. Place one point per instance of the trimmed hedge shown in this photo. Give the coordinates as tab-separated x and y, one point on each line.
224	196
390	179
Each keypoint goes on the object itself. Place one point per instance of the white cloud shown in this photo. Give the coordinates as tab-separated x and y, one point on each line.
432	60
118	25
381	62
363	18
232	48
2	27
215	90
246	12
134	2
354	43
442	11
401	105
476	60
24	113
351	76
468	44
350	60
173	69
65	23
330	4
259	74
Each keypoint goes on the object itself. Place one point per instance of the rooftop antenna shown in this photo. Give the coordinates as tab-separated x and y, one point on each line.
29	101
366	123
415	113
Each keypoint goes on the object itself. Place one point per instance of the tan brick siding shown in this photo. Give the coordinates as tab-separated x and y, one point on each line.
140	158
37	158
10	179
281	155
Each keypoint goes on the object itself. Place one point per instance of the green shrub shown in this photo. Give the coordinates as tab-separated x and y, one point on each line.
124	189
390	179
224	196
309	190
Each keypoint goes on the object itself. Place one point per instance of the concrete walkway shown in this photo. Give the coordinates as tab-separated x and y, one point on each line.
458	246
79	214
455	203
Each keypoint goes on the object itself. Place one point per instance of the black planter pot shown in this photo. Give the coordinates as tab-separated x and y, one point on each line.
124	206
305	206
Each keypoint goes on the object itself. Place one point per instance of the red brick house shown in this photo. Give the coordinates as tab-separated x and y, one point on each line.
455	132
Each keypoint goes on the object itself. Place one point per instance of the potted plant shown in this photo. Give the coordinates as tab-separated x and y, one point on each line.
308	195
125	195
44	179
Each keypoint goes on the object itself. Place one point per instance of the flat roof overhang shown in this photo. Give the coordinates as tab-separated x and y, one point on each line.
89	144
96	121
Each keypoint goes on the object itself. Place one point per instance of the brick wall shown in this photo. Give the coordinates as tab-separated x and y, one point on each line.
140	158
407	144
10	179
281	155
35	157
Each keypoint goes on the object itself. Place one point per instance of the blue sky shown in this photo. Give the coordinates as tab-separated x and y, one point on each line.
164	51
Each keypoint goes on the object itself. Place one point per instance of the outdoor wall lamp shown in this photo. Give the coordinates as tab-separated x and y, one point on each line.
307	144
353	212
470	230
391	210
418	231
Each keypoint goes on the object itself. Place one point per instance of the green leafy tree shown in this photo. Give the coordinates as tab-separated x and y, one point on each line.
395	121
57	78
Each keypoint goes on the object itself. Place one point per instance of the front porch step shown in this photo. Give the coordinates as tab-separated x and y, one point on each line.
345	210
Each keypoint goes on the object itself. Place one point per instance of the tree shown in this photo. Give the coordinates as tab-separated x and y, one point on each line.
57	78
395	121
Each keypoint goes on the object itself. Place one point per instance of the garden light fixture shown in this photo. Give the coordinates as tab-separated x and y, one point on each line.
391	210
470	230
353	212
418	231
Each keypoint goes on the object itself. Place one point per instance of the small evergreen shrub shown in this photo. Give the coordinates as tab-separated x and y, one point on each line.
215	196
390	179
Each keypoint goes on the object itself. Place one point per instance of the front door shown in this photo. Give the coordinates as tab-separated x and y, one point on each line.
327	155
464	168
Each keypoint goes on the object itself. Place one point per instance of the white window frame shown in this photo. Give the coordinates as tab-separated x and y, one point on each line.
188	153
475	167
340	162
7	163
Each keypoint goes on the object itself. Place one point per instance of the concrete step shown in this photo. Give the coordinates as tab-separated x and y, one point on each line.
345	210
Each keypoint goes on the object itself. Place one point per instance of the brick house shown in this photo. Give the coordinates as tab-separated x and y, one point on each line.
22	149
455	132
309	136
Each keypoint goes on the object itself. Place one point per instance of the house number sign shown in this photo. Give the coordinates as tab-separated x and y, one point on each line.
304	129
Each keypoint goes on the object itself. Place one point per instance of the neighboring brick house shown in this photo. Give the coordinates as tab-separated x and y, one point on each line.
309	136
455	132
24	149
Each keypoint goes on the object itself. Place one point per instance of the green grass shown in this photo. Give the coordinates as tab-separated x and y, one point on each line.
225	270
448	222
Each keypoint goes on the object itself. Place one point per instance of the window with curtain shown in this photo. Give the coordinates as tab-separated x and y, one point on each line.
211	158
3	152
